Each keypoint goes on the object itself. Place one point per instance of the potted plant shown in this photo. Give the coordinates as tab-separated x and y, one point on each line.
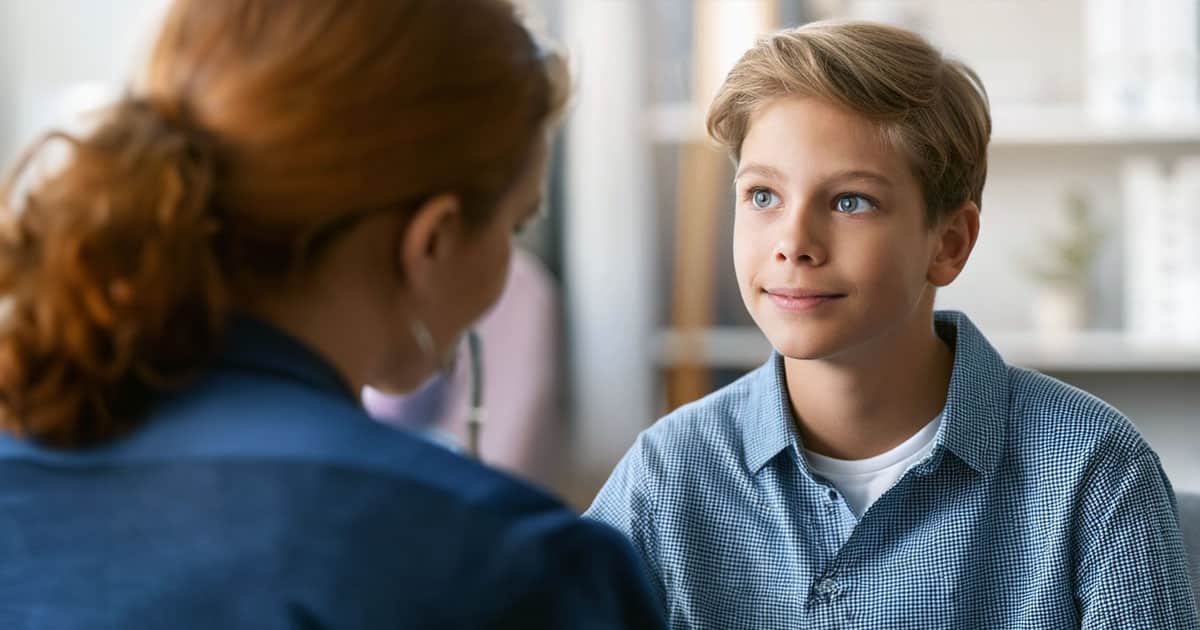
1063	270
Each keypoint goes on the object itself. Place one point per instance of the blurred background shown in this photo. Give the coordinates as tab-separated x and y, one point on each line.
1088	265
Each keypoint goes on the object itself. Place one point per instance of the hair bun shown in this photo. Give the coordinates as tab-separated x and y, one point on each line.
112	284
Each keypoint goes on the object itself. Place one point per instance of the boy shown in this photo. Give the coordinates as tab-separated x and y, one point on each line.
885	468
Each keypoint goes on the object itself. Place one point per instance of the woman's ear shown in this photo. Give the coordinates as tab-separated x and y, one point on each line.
427	240
956	237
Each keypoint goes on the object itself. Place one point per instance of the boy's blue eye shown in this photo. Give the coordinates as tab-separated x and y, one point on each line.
763	198
853	204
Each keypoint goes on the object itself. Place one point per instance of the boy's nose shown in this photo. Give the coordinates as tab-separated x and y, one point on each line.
801	244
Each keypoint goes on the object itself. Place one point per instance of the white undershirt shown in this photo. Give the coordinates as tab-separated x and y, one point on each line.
863	481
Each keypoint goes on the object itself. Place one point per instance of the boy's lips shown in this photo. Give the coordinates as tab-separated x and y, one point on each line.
803	293
799	300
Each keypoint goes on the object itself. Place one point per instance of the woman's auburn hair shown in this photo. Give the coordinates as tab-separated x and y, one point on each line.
254	127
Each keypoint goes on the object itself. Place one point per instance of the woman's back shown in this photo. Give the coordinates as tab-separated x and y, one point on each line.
289	508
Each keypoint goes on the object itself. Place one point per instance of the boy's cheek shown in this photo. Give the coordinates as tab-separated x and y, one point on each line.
750	246
742	264
748	266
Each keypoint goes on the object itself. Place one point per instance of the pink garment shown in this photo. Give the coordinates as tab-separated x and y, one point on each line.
522	432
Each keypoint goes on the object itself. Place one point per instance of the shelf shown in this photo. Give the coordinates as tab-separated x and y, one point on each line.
1096	351
729	347
1070	125
678	123
1086	351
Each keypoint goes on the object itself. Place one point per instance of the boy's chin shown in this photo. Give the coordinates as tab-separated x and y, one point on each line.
810	346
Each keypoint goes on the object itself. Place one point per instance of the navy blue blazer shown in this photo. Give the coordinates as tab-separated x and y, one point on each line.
264	497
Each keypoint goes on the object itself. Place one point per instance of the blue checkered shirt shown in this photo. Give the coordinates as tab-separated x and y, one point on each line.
1039	507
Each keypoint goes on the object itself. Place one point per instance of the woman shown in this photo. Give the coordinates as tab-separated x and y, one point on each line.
297	200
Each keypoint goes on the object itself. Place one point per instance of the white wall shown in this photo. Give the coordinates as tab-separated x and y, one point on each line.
49	47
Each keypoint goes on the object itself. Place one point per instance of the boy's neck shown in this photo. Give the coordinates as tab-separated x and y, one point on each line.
860	406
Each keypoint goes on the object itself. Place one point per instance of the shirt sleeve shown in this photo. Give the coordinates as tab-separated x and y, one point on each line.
1131	566
555	571
625	503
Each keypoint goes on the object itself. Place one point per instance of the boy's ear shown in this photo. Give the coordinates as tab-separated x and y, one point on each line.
956	235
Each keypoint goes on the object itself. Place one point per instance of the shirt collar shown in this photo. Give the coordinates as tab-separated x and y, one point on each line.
973	419
768	422
255	345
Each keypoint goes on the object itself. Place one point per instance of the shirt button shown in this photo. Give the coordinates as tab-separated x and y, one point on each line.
833	495
828	587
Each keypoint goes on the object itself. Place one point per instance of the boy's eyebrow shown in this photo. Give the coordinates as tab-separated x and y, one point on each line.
868	175
769	172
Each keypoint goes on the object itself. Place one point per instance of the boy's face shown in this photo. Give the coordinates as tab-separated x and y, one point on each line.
831	245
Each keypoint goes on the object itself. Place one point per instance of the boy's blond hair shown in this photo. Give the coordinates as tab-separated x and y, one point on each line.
932	108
